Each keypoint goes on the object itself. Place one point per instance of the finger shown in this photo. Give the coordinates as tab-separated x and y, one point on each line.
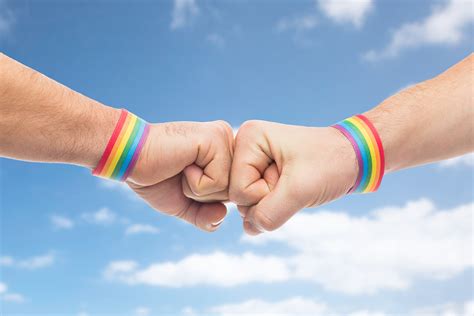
167	197
276	207
271	176
210	172
247	183
250	229
213	197
243	210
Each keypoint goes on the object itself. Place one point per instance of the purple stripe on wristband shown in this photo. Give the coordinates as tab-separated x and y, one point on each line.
357	152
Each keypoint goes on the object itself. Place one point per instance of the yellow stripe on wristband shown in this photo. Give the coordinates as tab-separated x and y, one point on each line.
373	152
121	146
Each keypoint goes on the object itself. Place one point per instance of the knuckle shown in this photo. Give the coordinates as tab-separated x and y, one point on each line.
222	183
250	125
224	125
264	221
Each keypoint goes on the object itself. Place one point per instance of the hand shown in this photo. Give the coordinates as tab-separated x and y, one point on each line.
279	169
183	171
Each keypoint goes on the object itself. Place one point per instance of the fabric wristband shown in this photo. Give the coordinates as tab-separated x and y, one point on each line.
123	148
368	148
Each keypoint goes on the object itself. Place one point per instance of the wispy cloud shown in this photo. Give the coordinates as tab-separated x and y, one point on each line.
7	19
32	263
7	296
386	250
142	311
444	26
13	297
141	229
183	12
216	40
3	287
347	11
297	23
61	222
103	216
120	187
466	160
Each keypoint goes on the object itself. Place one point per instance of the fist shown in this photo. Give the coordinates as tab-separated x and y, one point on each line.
183	171
279	169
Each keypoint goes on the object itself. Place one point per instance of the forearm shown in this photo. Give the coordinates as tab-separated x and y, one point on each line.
42	120
430	121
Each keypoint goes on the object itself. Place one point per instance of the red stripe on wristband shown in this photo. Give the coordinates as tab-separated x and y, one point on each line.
110	144
381	150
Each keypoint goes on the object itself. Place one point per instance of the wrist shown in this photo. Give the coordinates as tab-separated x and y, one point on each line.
393	119
98	123
347	165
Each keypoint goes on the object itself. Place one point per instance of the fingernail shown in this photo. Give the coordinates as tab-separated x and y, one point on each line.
219	222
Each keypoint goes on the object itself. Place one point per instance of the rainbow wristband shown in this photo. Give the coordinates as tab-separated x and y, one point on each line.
367	145
123	148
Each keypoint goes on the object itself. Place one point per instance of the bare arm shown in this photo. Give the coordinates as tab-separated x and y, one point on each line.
429	121
42	120
279	169
182	166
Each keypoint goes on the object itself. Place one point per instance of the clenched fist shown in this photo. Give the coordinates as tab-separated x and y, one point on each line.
279	169
184	169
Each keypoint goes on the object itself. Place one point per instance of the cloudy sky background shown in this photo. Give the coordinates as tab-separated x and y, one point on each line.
72	244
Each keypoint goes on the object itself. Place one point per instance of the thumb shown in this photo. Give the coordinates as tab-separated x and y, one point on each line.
208	177
276	207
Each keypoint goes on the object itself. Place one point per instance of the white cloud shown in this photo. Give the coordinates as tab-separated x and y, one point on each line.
3	288
227	270
448	309
120	187
388	249
466	160
183	12
142	311
7	296
37	262
292	306
6	261
307	306
297	23
141	229
216	40
32	263
13	297
188	311
445	25
347	11
83	314
61	222
103	216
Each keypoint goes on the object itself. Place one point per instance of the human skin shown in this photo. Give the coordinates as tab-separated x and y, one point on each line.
279	169
181	163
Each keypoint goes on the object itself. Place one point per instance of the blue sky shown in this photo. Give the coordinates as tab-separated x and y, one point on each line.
72	244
